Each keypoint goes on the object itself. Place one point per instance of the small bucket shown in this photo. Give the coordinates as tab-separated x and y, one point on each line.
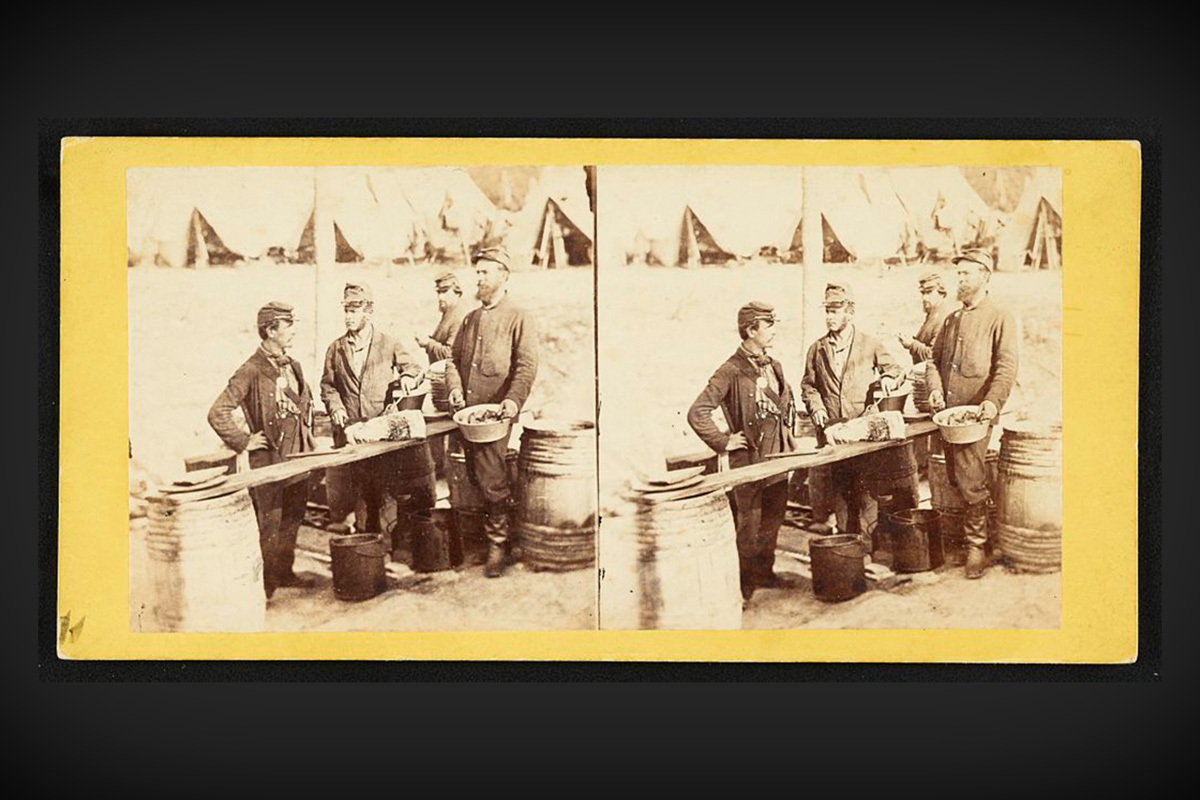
916	540
434	539
838	572
359	563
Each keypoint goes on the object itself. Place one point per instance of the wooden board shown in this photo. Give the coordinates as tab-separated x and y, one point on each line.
293	467
779	466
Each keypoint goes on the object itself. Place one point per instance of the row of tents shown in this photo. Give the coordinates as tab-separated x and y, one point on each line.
691	216
196	217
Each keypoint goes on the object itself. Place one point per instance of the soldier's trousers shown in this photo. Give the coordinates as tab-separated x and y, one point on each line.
966	469
280	510
758	511
488	467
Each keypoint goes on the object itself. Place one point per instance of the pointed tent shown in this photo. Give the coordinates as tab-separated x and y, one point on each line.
188	217
374	220
554	229
941	206
1032	235
861	219
681	216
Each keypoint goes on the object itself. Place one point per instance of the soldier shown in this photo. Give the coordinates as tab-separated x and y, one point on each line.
277	405
757	402
494	360
937	307
974	362
840	375
439	345
358	369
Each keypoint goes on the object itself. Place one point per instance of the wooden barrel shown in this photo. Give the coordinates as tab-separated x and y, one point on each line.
684	556
556	520
1029	498
205	564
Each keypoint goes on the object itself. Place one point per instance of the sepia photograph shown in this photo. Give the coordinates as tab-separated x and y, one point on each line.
831	397
361	398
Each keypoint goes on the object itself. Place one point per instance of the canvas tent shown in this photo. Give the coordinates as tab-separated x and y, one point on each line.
861	217
689	216
373	218
194	217
554	229
1032	235
943	208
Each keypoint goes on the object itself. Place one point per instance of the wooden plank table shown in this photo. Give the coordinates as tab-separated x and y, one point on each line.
292	467
778	466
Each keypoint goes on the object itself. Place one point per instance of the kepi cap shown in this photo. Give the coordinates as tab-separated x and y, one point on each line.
933	281
275	311
838	295
447	280
496	254
357	293
981	257
754	311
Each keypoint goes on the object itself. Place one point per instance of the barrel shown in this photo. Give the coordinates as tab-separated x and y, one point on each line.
1029	498
556	519
438	389
946	498
359	565
205	564
465	498
916	540
838	571
682	556
434	540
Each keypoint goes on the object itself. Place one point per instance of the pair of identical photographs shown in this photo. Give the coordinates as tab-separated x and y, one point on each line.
631	291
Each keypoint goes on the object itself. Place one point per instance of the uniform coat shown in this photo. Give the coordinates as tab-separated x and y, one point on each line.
446	332
279	507
921	348
974	359
495	358
362	396
758	507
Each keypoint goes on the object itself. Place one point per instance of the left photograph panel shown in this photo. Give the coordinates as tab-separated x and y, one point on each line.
361	398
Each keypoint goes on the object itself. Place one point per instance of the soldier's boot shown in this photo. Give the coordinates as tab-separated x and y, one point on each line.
976	533
496	527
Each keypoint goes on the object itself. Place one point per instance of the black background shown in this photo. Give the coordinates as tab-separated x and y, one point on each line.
800	725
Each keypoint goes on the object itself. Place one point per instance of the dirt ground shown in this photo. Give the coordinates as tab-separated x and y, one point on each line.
190	329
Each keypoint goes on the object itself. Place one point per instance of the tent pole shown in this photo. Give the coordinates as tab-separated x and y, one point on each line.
813	244
325	253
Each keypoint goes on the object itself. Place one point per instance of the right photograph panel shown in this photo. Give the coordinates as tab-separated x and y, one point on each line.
830	397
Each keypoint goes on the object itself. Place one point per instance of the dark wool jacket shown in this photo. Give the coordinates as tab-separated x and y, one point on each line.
443	336
495	355
922	347
252	388
732	389
975	356
845	396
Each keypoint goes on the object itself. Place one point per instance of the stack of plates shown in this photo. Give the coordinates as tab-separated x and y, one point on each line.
647	482
197	480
